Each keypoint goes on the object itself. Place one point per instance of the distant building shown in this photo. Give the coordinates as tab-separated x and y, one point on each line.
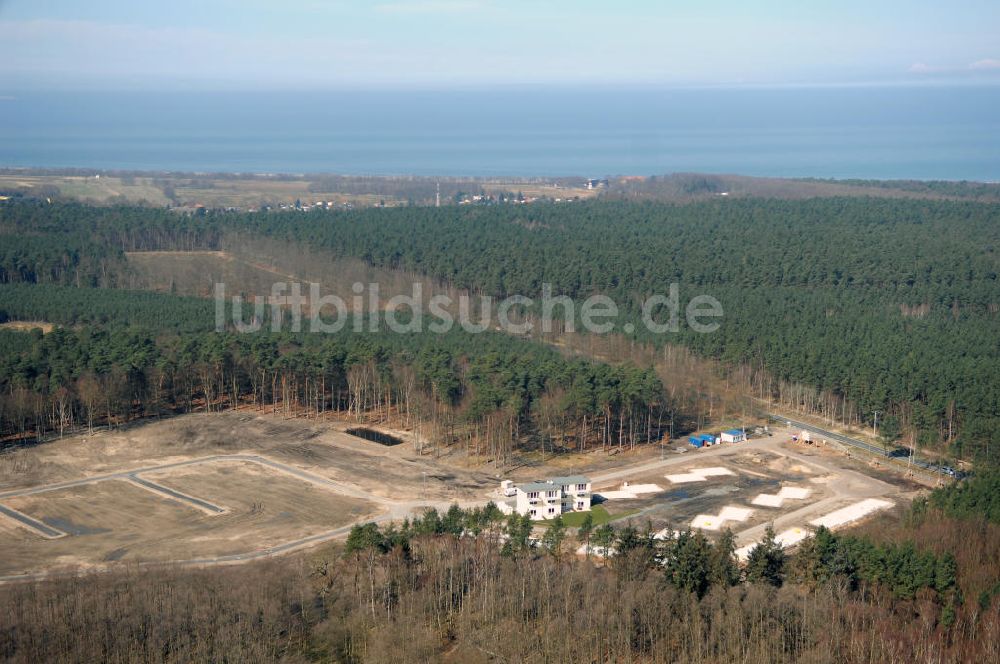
734	436
596	183
546	499
703	440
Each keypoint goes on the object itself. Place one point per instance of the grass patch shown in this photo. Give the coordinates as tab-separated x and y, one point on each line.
599	513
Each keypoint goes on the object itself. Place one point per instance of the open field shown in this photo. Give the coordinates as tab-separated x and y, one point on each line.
253	268
161	515
248	191
254	191
221	487
165	189
746	487
83	187
739	478
195	273
27	325
229	487
319	446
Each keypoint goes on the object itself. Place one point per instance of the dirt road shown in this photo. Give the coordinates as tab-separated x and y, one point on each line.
850	485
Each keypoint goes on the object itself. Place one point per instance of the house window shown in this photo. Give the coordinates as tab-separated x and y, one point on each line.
552	510
532	494
533	513
552	494
581	487
579	505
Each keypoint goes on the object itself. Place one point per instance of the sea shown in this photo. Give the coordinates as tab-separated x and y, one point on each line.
929	132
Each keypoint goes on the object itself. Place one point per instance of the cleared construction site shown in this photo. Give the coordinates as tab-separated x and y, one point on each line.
791	486
225	488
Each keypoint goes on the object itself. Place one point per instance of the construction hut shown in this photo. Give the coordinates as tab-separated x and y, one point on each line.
734	436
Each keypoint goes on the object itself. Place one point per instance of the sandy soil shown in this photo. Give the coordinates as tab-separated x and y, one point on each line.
761	466
27	325
321	447
754	472
116	520
356	479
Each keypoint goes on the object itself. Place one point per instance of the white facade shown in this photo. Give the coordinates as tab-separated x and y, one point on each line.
548	499
733	436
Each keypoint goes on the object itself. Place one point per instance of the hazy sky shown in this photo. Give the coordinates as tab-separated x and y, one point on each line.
478	43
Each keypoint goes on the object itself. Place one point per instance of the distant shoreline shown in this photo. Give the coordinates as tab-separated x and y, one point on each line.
64	171
243	191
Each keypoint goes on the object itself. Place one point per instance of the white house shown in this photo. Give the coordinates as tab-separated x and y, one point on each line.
546	499
734	436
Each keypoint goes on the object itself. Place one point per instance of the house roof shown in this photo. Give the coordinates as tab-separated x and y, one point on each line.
570	479
552	484
536	486
735	432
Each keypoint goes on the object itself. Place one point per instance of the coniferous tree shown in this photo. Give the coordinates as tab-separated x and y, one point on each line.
766	561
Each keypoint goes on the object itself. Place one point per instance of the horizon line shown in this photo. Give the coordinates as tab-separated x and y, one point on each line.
215	87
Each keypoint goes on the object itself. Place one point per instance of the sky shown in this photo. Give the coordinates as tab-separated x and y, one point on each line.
336	44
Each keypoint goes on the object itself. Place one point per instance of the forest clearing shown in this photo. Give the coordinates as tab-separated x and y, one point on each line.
223	488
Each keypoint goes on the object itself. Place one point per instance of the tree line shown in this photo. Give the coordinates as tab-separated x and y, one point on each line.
469	585
489	392
975	497
841	306
688	559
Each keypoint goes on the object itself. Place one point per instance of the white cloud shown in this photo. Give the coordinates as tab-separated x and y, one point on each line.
985	65
91	52
92	49
512	48
431	7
